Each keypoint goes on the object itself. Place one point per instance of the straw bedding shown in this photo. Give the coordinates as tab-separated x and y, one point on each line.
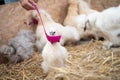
88	61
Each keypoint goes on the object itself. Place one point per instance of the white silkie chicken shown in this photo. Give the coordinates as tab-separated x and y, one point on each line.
76	9
106	24
54	55
68	33
84	8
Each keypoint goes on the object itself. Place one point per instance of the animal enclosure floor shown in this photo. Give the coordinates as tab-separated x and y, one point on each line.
86	61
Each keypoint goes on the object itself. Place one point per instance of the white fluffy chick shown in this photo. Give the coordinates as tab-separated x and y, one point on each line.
54	55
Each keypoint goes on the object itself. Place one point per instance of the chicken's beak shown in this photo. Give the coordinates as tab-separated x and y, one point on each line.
52	33
85	27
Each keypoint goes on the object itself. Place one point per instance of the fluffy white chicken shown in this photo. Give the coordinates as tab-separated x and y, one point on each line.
54	55
78	9
20	47
106	24
68	33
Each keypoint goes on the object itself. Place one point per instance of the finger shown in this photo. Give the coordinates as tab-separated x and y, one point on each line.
25	4
28	6
33	1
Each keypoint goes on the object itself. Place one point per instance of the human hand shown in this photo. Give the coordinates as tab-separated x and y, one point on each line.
26	4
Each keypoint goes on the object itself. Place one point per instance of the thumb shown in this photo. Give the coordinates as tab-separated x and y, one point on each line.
33	1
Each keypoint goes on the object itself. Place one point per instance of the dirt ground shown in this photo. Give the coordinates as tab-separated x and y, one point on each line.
88	61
